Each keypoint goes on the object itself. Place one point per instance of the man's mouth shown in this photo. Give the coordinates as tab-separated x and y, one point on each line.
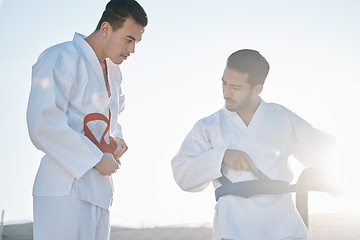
125	56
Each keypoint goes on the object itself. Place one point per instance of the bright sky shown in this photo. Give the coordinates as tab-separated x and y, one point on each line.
174	79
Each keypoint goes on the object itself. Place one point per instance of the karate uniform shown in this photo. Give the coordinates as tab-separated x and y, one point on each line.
273	134
68	84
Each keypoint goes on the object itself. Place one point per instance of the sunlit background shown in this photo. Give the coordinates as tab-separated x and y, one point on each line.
174	79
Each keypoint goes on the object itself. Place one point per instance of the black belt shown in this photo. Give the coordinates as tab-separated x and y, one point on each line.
263	185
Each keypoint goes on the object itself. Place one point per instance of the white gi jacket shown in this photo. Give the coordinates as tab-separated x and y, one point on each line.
68	84
273	134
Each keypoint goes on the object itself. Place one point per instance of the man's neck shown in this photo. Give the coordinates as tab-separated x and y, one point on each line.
247	114
94	41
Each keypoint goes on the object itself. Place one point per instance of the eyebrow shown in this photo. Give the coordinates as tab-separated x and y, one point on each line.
232	85
132	38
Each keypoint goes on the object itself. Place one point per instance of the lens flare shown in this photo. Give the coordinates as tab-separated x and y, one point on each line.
101	100
44	83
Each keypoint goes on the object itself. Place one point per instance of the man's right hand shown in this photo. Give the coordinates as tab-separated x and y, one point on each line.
107	165
238	160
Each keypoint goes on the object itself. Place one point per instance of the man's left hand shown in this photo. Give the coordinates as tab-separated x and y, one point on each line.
121	147
311	177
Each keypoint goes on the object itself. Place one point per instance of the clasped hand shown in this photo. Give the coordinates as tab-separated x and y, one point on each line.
108	165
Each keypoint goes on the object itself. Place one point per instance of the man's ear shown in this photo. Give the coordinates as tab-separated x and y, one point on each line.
105	29
258	89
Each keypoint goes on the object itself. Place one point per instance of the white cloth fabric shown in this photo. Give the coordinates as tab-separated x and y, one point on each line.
67	217
68	84
273	134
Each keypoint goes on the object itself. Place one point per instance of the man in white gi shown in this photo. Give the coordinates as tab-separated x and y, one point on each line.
71	81
244	138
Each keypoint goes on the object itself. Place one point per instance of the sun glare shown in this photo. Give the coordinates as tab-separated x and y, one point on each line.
344	174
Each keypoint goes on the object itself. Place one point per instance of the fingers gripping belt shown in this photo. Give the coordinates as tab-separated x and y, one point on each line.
102	145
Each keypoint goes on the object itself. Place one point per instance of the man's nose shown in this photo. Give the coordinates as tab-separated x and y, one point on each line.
227	92
131	48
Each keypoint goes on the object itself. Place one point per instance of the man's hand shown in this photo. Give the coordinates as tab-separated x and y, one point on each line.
238	160
107	165
310	177
121	147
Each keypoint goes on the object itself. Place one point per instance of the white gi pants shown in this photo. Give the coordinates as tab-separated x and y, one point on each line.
69	218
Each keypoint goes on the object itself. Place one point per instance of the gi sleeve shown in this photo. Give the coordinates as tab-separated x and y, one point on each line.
197	162
313	148
53	80
115	70
118	130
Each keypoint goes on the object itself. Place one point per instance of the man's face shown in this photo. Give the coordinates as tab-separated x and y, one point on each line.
236	90
119	44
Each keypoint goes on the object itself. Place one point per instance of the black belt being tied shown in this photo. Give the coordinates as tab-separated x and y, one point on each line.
263	185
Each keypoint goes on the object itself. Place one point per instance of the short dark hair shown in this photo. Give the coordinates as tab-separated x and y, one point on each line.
251	62
116	12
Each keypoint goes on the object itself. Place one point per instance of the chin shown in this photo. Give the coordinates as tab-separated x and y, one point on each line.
117	61
231	109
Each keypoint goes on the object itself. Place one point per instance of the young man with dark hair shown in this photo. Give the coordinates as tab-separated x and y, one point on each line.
72	117
242	149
